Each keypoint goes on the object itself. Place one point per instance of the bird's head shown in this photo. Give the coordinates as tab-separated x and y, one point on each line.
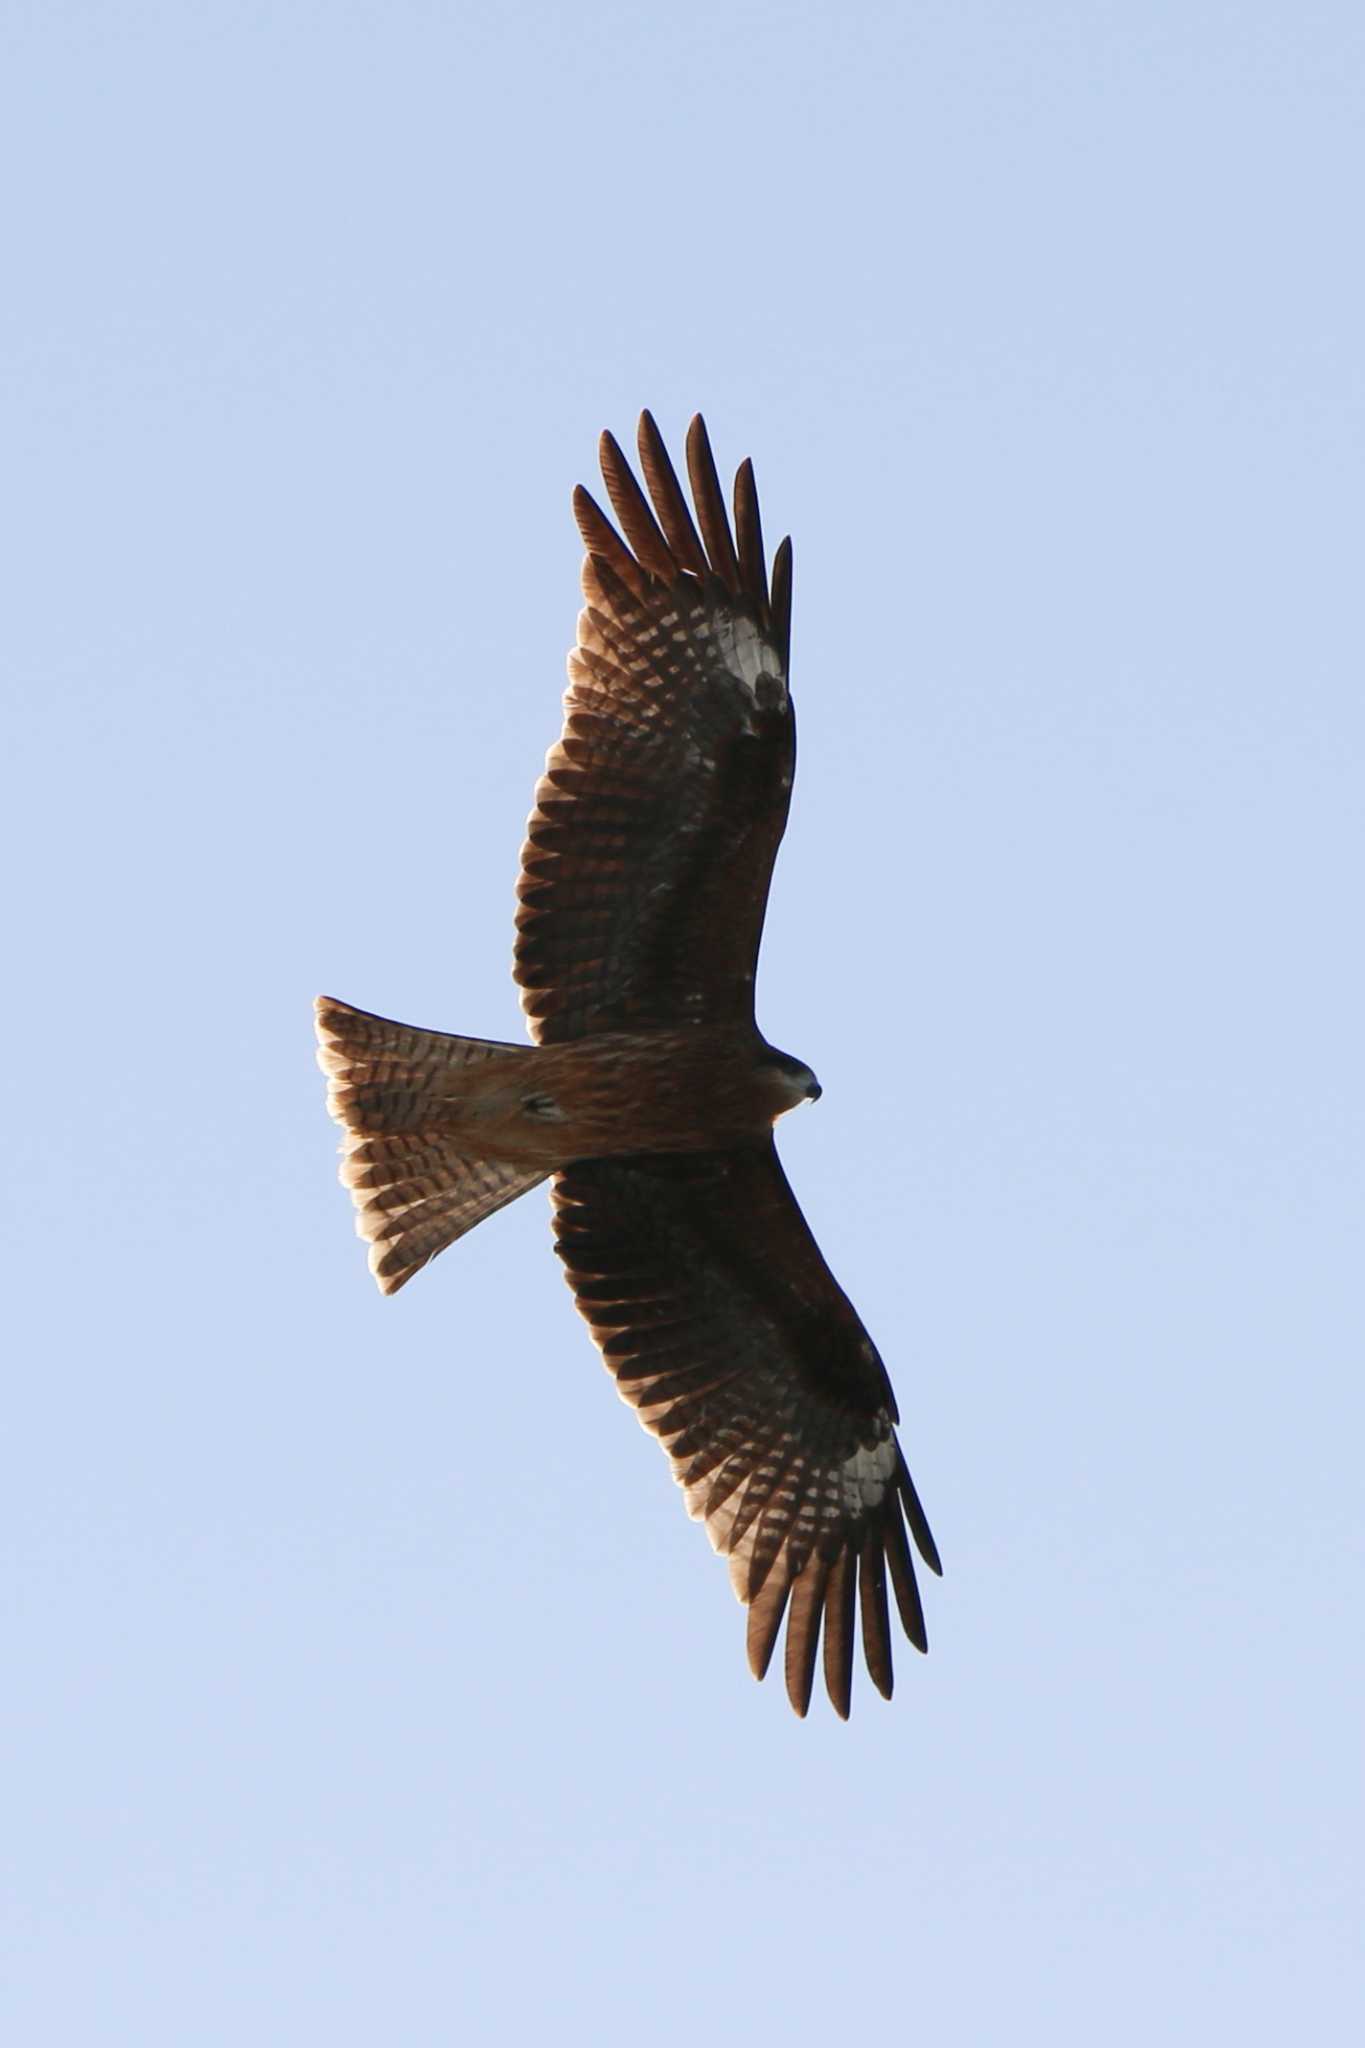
790	1080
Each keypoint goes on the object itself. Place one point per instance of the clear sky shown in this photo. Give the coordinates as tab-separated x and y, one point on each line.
365	1680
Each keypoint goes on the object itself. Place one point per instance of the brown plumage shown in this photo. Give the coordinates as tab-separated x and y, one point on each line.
650	1094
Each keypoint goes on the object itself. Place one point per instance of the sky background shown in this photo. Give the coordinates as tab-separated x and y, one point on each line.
364	1678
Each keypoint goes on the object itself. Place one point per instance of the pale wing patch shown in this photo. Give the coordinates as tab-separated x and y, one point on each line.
810	1498
737	643
750	658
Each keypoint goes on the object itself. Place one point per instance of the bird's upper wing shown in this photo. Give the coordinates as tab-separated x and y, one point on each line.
728	1333
645	870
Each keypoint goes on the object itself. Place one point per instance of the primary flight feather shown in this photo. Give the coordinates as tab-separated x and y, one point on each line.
650	1095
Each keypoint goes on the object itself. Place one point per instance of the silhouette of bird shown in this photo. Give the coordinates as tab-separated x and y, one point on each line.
650	1095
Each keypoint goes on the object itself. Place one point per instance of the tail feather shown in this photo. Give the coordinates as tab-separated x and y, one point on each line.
414	1196
391	1077
415	1189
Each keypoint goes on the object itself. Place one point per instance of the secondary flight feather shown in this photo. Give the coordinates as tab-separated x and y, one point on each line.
650	1095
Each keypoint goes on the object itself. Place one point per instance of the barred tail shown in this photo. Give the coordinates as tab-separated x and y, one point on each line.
392	1088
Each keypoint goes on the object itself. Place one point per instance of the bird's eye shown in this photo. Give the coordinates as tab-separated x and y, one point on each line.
541	1106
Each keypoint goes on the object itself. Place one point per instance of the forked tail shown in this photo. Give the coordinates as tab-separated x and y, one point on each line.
390	1088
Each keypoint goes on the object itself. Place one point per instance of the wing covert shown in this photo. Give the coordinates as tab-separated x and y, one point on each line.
646	866
727	1333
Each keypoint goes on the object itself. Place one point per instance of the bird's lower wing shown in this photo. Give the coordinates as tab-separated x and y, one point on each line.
727	1333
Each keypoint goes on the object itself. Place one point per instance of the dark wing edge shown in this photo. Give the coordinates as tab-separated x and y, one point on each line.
726	1332
649	853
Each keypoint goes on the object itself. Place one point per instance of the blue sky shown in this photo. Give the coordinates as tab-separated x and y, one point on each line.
365	1677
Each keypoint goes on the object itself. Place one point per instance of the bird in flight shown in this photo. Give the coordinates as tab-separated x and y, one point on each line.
650	1095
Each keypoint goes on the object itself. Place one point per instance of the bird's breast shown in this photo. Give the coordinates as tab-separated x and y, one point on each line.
658	1091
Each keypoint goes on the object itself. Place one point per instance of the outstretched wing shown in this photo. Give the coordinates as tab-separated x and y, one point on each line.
729	1335
645	871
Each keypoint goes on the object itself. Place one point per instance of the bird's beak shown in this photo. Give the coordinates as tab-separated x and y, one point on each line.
814	1092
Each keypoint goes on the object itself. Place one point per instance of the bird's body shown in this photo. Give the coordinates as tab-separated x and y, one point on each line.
612	1093
650	1094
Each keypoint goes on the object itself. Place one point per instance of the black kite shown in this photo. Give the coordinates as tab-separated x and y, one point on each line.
650	1096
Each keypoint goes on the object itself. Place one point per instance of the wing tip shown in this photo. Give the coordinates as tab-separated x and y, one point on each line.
780	602
831	1603
916	1517
712	516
